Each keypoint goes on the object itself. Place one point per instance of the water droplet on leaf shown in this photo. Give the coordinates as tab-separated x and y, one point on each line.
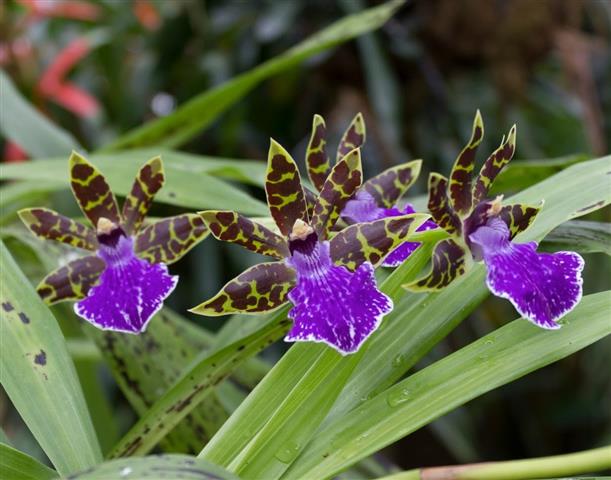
397	398
288	452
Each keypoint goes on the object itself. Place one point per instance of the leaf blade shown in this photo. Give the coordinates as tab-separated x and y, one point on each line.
42	382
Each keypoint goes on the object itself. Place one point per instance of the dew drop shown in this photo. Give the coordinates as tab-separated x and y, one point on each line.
398	360
288	452
397	398
489	342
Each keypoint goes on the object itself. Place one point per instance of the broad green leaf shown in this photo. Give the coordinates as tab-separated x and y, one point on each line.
580	236
156	467
17	465
195	384
29	129
39	376
192	117
520	174
494	360
144	366
191	180
18	195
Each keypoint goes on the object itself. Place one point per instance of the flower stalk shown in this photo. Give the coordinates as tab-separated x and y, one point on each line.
587	461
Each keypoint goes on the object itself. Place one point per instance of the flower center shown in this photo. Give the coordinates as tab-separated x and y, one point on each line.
302	238
115	247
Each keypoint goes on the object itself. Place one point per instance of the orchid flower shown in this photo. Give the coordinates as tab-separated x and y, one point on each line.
330	282
377	198
541	286
125	281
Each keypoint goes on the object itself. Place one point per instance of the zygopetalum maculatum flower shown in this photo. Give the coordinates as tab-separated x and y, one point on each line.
378	197
329	281
123	283
542	287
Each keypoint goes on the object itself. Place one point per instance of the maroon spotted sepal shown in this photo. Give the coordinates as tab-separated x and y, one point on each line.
285	195
372	241
493	165
168	240
50	225
235	228
343	181
353	137
449	263
92	191
261	288
72	281
442	212
390	185
460	178
148	182
317	160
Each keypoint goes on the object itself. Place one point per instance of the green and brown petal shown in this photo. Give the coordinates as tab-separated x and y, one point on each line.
449	263
285	195
148	182
493	165
460	192
166	241
439	205
390	185
235	228
353	137
317	159
261	288
518	216
372	241
92	191
345	179
50	225
72	281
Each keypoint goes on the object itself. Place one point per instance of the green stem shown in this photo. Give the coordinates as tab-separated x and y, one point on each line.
432	236
588	461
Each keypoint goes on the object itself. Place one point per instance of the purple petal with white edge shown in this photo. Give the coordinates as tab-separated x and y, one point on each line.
130	290
331	304
542	287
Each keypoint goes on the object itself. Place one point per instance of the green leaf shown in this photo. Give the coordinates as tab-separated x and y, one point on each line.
17	465
18	195
156	467
195	384
39	376
27	127
192	117
190	179
494	360
580	236
520	174
144	366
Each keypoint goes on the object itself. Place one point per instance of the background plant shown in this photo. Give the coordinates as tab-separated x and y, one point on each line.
418	80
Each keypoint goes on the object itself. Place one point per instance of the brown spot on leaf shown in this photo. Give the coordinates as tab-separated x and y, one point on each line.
40	358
